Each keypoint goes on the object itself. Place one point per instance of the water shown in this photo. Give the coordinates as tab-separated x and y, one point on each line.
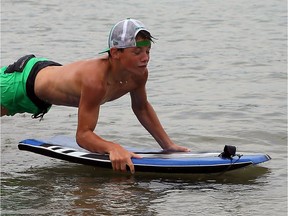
218	75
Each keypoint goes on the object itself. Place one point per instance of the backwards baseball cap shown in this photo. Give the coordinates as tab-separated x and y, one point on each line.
123	35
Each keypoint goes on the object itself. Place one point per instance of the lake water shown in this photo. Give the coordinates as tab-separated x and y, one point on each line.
218	76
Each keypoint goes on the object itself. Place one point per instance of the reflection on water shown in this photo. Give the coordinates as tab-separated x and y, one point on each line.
73	189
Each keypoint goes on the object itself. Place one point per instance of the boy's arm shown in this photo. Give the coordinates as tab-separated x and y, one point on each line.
148	118
88	114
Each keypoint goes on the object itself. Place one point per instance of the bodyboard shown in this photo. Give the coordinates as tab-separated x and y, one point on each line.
66	148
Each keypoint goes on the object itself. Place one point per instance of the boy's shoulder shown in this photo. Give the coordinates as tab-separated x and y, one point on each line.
88	65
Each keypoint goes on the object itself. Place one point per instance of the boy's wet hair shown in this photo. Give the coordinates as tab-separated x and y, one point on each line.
145	35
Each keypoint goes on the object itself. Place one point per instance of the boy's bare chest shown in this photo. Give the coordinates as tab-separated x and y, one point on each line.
117	90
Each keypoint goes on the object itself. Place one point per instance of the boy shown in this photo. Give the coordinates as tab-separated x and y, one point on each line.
33	84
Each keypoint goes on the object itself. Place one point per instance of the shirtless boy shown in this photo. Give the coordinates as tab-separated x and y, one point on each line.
33	84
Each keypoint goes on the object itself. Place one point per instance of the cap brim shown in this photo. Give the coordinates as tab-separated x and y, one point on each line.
104	51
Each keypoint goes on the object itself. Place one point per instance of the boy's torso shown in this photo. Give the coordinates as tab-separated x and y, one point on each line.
63	85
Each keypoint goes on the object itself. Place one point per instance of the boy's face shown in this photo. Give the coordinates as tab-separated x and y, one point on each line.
135	59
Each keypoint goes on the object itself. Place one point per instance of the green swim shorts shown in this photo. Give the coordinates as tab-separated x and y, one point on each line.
17	86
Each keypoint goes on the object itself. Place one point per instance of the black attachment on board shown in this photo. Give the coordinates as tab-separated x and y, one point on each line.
229	152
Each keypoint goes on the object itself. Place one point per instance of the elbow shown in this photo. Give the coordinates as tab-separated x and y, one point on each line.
80	139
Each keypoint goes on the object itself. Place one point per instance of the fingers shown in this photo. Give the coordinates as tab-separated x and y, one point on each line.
122	166
186	149
177	148
121	163
135	155
131	167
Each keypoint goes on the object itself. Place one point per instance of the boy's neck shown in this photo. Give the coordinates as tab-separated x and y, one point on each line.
117	75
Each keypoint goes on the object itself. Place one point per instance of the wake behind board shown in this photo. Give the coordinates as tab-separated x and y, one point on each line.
66	148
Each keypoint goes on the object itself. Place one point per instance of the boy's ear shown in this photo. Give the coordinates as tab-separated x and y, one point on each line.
114	52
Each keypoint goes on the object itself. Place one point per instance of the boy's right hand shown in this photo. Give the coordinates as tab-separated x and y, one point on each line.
120	158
